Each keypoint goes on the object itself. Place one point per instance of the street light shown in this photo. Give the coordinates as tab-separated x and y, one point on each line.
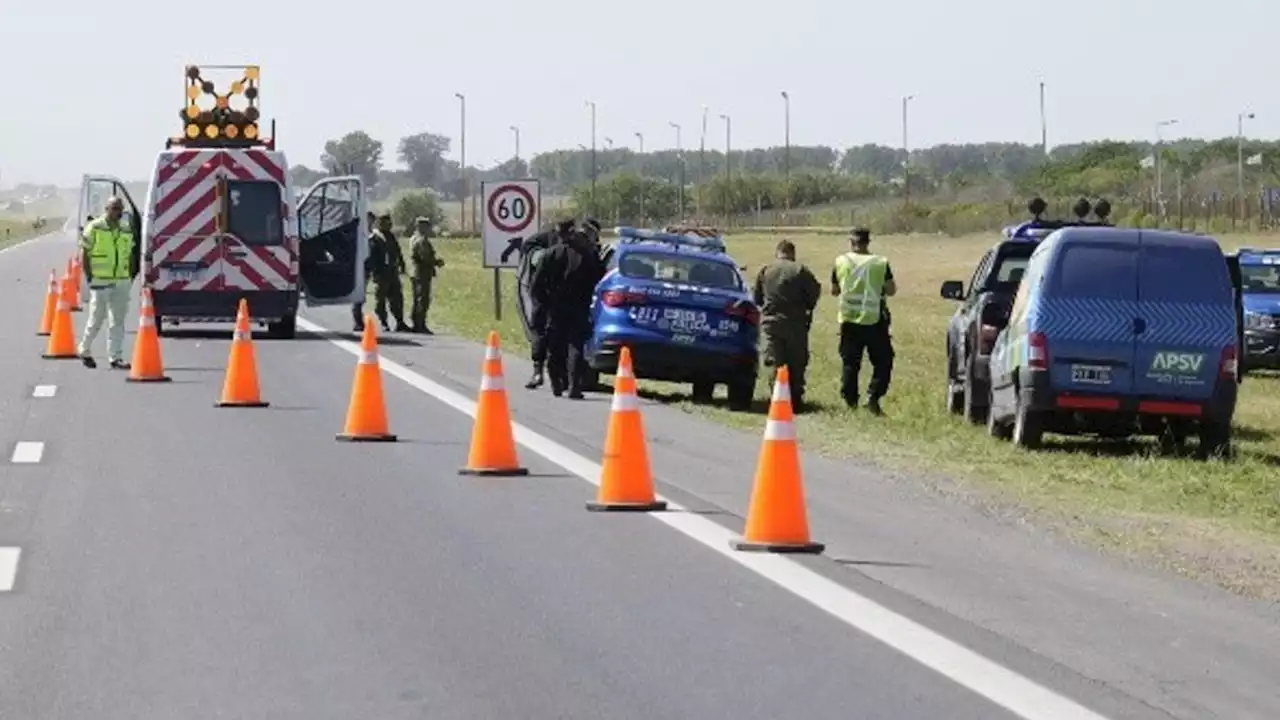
786	157
680	164
466	180
1160	164
728	148
608	143
702	159
643	217
592	104
906	153
516	131
1240	118
1044	125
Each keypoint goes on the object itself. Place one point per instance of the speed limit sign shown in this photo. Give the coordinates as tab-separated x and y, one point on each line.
512	210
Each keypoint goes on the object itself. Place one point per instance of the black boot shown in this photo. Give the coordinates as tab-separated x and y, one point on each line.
535	380
873	406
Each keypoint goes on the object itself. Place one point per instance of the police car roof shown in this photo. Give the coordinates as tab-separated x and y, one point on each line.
1256	256
670	242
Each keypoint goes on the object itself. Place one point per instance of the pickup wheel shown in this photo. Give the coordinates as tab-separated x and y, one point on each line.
975	398
955	392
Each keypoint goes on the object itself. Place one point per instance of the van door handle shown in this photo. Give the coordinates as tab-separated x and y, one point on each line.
1139	326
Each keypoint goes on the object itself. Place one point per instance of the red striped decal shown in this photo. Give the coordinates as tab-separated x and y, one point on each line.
171	198
263	161
175	165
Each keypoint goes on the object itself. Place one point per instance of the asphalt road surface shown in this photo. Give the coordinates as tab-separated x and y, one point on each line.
163	558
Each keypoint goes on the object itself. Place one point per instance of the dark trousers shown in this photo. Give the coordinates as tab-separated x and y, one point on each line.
357	315
389	291
786	342
565	336
421	302
875	341
538	328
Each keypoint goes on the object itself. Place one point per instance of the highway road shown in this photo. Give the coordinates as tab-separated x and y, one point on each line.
163	558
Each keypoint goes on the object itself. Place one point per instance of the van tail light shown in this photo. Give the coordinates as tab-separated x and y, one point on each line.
1037	351
1228	369
743	311
620	298
987	338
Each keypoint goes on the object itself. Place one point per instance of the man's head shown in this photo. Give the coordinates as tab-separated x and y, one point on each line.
786	250
860	239
384	222
564	228
423	226
114	209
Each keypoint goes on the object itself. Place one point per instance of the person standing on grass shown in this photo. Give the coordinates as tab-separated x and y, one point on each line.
425	263
787	292
110	257
862	281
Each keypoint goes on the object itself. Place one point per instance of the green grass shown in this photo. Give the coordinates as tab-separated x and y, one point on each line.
14	230
1216	519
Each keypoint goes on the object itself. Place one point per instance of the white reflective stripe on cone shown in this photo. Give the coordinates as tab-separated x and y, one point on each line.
241	335
368	357
147	321
780	430
625	372
781	391
489	382
625	402
491	353
62	305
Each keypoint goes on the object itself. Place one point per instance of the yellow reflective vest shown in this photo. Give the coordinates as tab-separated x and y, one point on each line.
110	251
861	279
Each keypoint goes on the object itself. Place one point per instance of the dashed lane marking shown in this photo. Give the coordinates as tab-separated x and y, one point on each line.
1002	686
27	452
8	567
45	391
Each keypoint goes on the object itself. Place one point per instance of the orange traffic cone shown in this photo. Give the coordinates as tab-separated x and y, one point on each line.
240	389
147	364
776	519
493	444
75	285
367	413
626	482
62	340
50	306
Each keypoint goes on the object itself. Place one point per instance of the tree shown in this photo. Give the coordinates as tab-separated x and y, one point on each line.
304	177
424	155
411	206
355	153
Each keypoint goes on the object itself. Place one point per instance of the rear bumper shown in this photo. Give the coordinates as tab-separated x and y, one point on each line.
1082	412
218	306
673	363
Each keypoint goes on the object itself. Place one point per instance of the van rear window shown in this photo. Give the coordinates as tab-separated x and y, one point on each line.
1108	272
1184	275
253	212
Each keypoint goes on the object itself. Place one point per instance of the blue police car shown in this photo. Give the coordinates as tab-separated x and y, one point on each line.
1260	292
682	306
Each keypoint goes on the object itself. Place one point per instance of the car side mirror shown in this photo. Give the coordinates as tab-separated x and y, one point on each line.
953	290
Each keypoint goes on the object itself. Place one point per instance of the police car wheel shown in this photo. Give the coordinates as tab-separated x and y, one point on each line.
703	391
741	393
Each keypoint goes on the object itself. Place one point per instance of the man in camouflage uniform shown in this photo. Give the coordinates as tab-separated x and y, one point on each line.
422	255
388	265
787	292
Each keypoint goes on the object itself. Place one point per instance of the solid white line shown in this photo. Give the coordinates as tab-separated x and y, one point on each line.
45	391
28	452
8	567
1021	696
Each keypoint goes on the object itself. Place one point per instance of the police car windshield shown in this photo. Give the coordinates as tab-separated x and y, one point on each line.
690	269
1260	278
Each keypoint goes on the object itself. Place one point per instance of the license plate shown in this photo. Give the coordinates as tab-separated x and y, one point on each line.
183	275
1091	374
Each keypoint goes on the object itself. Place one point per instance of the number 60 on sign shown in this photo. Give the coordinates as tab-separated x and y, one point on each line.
510	210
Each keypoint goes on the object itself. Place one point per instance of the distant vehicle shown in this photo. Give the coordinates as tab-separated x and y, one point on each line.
682	306
221	222
1119	332
984	305
1260	295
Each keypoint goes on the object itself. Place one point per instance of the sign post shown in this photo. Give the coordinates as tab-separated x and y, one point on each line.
512	212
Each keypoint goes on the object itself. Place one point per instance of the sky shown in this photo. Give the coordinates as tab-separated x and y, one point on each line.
95	87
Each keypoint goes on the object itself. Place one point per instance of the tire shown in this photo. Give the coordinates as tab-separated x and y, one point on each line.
286	329
996	428
973	411
1215	440
955	392
703	391
160	326
1028	426
741	392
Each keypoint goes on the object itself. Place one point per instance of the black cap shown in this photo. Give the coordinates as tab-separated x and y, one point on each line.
861	234
593	223
565	225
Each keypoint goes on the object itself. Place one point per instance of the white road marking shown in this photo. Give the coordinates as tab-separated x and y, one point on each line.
8	567
1021	696
28	451
45	391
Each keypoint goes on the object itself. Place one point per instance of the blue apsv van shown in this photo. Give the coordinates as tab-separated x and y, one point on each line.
1119	332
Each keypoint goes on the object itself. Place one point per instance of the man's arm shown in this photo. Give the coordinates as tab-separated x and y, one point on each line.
890	287
86	245
757	292
835	283
812	289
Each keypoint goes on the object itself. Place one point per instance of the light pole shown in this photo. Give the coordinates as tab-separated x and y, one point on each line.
1240	118
1160	165
786	133
608	143
728	176
516	131
466	180
906	153
640	140
702	159
592	104
1044	126
680	164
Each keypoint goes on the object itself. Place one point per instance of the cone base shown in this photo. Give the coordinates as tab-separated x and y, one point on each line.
809	548
43	334
494	472
72	356
159	378
246	404
350	437
655	506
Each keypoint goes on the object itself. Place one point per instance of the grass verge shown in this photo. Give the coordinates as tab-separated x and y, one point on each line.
15	230
1220	520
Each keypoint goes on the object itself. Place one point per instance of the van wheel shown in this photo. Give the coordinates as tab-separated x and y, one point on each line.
741	393
1215	440
974	411
1028	425
159	326
286	329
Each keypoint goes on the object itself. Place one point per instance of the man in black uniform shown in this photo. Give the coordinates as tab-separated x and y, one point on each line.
533	251
357	310
563	283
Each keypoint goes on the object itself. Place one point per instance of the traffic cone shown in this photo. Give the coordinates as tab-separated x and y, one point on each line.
626	482
240	389
147	364
367	413
50	306
62	340
493	444
776	519
75	285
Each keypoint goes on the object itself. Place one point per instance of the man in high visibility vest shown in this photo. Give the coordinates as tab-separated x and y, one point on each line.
862	281
110	258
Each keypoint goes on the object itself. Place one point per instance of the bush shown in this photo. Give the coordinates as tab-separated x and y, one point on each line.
413	205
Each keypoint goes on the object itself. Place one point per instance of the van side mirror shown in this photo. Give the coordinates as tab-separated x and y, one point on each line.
953	290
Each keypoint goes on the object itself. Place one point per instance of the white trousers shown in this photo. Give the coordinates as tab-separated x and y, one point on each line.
107	299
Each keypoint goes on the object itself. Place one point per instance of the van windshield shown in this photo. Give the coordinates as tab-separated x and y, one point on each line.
254	212
674	268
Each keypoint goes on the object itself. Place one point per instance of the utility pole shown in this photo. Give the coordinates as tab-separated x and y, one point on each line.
1240	118
1160	165
906	154
592	104
786	156
702	160
1044	126
516	131
466	179
640	139
728	177
680	164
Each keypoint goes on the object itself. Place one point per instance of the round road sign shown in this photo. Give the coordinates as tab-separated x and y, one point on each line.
511	208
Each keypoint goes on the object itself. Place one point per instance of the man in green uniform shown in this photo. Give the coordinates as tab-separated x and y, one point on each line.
862	281
787	292
386	275
423	256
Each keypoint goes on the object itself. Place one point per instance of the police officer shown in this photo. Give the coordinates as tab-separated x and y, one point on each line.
535	249
425	262
787	292
862	281
375	248
110	258
563	283
386	275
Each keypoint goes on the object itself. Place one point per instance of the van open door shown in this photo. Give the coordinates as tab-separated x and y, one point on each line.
95	190
1237	285
333	239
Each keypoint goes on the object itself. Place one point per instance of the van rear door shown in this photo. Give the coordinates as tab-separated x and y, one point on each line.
1188	306
333	241
251	235
1087	315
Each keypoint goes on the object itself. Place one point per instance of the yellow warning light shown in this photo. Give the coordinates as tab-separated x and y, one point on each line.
192	112
211	131
251	72
193	92
251	132
193	131
232	131
237	87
